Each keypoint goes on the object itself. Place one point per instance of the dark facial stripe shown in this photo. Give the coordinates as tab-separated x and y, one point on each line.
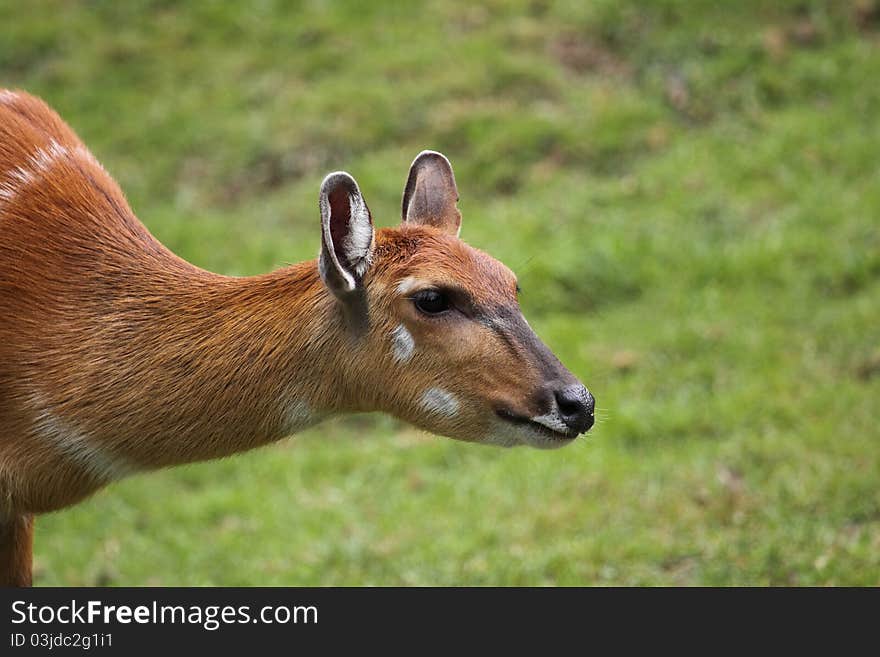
508	323
499	327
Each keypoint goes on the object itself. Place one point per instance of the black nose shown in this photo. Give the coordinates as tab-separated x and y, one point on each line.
576	404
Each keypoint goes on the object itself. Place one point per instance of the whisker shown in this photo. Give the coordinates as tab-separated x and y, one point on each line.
524	266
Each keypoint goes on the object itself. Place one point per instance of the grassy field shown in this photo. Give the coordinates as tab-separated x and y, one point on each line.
689	195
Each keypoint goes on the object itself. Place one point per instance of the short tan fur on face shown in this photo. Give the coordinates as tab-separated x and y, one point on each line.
473	355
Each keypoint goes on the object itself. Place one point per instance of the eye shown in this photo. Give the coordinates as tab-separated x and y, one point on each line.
431	302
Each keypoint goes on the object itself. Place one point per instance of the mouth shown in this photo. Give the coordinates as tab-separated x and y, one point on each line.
537	427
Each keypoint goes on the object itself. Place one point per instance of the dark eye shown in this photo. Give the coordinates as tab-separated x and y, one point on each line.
431	302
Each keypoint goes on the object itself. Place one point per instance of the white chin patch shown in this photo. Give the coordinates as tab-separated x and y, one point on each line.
402	344
439	402
552	421
513	435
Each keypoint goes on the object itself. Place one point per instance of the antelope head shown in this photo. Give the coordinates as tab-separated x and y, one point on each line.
441	341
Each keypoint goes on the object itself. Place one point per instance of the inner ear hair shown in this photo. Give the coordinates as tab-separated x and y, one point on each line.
346	234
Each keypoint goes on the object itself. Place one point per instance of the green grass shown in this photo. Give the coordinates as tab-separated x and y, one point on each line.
689	195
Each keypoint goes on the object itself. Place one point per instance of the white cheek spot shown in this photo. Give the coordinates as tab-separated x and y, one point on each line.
78	448
7	97
440	402
402	343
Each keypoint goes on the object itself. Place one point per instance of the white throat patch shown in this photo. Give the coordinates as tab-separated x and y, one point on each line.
297	416
402	343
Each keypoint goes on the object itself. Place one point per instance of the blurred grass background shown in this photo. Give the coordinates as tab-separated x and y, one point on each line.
688	190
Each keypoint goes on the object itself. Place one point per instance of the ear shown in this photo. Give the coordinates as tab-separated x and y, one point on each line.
346	234
430	195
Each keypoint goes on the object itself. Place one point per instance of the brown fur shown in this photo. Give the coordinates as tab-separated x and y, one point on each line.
117	355
16	546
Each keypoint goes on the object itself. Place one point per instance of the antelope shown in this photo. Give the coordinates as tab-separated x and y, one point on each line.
117	356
